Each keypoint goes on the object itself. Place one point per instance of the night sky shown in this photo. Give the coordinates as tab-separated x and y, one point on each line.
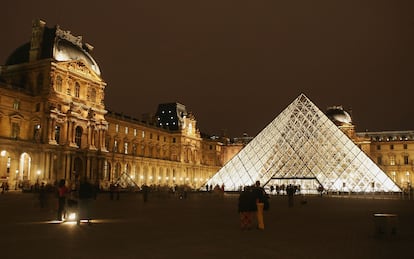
237	64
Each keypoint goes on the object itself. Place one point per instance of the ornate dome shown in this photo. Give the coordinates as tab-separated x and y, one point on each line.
60	45
67	51
338	115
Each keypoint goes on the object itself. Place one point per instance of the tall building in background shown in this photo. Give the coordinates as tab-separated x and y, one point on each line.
54	124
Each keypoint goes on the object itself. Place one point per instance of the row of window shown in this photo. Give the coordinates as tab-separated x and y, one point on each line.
405	146
406	160
135	131
91	95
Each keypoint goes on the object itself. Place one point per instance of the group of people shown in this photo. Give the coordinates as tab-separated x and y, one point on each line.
253	201
84	195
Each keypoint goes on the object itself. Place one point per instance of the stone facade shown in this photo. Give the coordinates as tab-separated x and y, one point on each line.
54	125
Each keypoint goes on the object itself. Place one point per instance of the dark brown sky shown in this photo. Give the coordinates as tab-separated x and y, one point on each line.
237	64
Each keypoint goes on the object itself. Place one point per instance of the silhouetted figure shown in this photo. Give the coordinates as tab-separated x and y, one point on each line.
145	190
290	191
42	195
247	208
86	194
62	193
259	195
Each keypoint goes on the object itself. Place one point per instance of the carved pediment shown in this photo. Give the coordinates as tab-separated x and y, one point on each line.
79	67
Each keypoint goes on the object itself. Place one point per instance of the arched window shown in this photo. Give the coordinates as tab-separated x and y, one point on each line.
78	136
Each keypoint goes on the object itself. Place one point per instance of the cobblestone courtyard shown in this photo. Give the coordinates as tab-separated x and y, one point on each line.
205	226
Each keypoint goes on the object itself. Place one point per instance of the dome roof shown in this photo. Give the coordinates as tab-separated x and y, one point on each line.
59	45
67	51
338	115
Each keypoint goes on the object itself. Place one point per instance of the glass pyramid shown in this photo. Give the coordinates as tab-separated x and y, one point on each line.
303	146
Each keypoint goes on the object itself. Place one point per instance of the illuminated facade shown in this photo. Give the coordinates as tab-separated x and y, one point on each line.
54	124
302	146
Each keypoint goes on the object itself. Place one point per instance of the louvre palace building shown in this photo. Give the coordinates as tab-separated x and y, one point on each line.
54	125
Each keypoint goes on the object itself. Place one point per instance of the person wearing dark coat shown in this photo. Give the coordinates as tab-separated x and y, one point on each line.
247	208
259	194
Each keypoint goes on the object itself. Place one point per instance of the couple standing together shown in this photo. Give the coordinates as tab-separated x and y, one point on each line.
252	200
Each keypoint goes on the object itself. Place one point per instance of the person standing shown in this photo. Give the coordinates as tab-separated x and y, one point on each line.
86	194
259	194
62	193
247	208
290	191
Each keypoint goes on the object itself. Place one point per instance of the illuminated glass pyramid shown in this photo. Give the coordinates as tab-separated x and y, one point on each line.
303	146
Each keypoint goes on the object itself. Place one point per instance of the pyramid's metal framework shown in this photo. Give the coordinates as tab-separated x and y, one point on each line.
303	144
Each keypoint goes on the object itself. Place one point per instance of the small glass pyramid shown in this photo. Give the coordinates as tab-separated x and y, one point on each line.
302	146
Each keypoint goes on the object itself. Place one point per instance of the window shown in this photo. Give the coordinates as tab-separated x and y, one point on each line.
126	130
134	148
391	147
126	148
392	160
174	140
58	84
16	104
36	132
405	146
135	132
115	146
378	147
57	134
116	128
78	136
405	159
15	130
77	90
37	109
143	134
393	176
379	160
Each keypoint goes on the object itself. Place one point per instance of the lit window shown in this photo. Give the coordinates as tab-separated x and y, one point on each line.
16	104
126	130
116	128
135	132
57	134
126	148
392	160
143	134
115	146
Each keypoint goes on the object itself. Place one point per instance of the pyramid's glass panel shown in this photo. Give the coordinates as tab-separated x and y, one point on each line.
303	145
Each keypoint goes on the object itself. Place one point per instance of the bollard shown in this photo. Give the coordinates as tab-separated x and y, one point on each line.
386	224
